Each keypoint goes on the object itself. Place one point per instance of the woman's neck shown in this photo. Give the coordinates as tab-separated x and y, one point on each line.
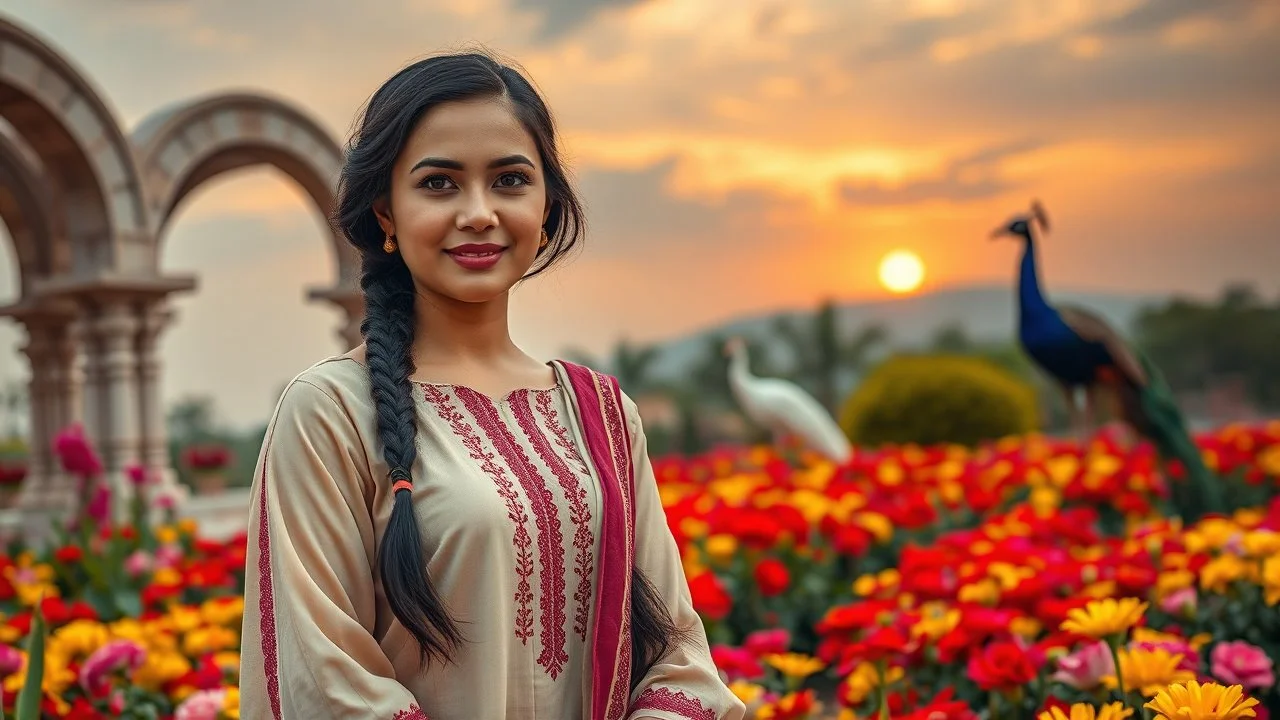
451	333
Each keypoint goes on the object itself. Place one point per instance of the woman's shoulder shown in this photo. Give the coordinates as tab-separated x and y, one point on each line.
337	382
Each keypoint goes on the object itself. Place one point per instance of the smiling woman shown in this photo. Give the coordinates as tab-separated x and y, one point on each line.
444	527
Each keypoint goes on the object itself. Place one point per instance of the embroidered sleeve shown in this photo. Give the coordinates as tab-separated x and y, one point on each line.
685	684
307	648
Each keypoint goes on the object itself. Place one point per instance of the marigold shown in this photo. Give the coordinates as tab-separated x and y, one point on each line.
1104	618
1194	701
794	665
1085	711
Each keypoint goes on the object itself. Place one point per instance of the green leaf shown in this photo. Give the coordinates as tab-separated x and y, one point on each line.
28	705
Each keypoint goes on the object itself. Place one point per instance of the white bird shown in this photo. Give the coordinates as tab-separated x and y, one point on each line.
784	407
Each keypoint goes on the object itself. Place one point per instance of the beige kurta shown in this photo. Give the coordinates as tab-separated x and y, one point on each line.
509	502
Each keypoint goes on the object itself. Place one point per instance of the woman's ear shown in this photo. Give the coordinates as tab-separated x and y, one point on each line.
382	210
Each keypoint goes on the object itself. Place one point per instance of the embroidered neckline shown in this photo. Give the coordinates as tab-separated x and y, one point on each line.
506	398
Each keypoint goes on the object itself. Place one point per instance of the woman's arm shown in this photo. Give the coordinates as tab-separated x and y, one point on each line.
307	646
683	685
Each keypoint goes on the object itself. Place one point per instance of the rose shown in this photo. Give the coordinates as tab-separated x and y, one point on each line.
1239	663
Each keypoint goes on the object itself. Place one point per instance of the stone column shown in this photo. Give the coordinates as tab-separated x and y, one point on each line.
117	326
86	365
35	489
351	302
154	446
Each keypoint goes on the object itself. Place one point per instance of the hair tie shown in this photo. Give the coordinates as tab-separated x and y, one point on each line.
403	481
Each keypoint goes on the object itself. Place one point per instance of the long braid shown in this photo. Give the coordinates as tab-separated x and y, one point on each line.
388	329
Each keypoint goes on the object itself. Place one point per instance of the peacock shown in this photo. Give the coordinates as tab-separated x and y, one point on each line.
1081	351
784	408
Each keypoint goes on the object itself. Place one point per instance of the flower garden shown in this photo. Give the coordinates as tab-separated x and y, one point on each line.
1027	578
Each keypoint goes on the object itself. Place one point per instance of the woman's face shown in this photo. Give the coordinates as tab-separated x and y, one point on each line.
467	201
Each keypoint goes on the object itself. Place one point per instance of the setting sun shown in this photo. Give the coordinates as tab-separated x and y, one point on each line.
901	271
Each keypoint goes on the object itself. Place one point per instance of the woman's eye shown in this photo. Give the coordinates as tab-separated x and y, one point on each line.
512	180
436	182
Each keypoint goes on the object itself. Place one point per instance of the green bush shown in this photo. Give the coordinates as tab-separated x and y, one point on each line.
930	399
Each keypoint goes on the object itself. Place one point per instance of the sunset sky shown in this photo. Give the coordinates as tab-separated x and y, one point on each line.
736	155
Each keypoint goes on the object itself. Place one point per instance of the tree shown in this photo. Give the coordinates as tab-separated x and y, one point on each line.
824	356
191	419
631	363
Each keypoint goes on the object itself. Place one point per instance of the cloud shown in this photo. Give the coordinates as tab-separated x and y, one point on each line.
562	16
1152	16
975	176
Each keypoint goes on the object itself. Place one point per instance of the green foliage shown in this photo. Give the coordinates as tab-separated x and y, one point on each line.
938	399
28	706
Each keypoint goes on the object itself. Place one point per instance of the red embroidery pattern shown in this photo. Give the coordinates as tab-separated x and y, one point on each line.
579	511
413	712
515	509
621	453
672	701
550	542
266	596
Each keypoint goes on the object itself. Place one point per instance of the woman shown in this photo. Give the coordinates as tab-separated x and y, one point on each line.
443	527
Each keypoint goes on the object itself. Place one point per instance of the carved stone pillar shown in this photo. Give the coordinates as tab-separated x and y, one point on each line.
154	447
87	365
38	349
117	327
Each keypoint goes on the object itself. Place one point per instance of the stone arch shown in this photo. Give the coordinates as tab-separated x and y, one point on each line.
27	208
183	146
83	155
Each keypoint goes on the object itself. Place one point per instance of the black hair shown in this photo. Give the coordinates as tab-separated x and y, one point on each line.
389	321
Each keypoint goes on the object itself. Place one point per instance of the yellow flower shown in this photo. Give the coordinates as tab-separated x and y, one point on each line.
747	692
160	668
1008	575
876	524
1171	581
1025	627
1149	671
794	665
166	535
167	577
865	678
231	703
1194	701
1211	534
209	639
1221	571
936	620
187	526
184	619
1195	642
983	592
865	585
1102	618
1261	543
1271	580
224	611
721	547
1084	711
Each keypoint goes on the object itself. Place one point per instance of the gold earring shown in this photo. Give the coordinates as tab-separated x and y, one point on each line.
543	242
389	246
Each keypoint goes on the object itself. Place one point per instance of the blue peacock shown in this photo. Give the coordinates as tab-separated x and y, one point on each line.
1081	351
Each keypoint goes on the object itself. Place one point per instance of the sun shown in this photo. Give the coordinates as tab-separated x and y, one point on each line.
901	271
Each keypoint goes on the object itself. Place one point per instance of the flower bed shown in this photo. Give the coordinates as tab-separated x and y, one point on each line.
1002	582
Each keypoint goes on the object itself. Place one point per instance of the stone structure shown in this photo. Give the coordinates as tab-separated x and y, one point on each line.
87	206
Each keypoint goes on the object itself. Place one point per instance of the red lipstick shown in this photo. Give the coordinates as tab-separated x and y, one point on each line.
476	256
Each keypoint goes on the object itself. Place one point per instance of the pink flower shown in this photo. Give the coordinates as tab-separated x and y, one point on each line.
100	506
201	705
116	656
1085	668
168	556
10	661
737	663
137	474
1239	663
138	563
765	642
1180	602
75	453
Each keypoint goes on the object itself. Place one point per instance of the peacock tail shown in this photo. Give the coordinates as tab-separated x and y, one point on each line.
1200	492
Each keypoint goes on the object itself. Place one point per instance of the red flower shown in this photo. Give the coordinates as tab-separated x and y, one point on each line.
772	577
1001	666
68	554
709	596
